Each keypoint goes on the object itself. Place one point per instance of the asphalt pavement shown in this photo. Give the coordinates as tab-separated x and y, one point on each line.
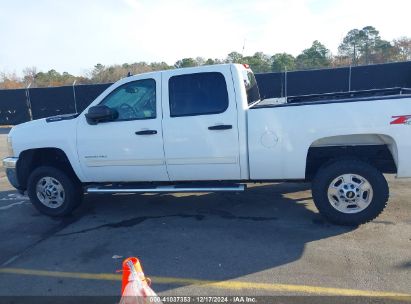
269	240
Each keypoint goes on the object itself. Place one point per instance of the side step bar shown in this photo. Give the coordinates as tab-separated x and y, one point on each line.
164	189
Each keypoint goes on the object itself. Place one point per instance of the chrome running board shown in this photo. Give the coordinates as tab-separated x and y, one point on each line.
165	189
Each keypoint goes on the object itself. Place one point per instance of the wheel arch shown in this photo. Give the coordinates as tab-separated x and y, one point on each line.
379	150
31	159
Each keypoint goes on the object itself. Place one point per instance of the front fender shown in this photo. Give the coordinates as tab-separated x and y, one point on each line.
38	134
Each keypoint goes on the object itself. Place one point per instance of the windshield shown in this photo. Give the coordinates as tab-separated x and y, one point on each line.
251	87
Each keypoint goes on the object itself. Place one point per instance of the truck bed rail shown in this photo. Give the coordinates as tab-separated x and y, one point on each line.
351	96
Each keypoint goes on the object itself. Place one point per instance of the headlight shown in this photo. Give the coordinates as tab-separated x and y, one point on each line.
10	151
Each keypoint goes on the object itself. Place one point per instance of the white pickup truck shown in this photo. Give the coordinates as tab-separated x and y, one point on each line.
205	129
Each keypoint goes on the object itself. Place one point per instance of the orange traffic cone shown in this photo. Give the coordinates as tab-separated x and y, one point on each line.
135	288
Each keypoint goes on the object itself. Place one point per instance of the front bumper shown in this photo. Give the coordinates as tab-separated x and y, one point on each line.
10	164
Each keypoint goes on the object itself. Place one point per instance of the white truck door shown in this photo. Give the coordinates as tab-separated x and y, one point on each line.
129	148
200	125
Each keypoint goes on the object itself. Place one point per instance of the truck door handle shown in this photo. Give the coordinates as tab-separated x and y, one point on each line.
146	132
221	127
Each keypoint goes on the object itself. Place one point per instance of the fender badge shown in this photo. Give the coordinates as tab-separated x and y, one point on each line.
95	156
401	120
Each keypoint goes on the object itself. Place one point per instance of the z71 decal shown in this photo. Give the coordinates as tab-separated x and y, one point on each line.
401	120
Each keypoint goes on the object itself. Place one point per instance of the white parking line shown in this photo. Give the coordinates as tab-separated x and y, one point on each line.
14	197
12	205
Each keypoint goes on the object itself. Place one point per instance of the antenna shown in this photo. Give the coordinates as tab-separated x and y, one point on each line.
244	46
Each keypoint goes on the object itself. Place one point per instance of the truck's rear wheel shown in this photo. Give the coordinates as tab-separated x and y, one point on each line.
53	192
350	192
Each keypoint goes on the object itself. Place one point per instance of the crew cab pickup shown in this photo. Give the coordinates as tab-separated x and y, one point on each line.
206	129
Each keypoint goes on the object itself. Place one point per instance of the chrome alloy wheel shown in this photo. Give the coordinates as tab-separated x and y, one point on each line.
350	193
50	192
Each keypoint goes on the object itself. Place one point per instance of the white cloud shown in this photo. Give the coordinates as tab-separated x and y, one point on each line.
74	35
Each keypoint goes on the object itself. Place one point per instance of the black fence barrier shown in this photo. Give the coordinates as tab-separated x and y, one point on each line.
381	76
13	107
46	102
312	82
271	84
318	82
85	94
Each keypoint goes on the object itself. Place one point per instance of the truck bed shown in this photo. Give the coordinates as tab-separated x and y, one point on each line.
340	97
280	136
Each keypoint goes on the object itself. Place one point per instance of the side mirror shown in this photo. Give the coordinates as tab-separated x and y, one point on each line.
99	114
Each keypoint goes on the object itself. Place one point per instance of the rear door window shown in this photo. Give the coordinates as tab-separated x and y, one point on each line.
197	94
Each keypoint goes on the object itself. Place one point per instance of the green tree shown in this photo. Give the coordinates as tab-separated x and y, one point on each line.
186	63
97	73
282	62
317	56
370	41
383	52
350	46
200	60
234	57
52	78
159	66
209	61
98	68
363	46
402	48
259	62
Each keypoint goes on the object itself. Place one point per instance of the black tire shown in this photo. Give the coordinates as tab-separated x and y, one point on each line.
327	174
73	192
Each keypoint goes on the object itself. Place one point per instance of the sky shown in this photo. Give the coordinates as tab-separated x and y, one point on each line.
74	35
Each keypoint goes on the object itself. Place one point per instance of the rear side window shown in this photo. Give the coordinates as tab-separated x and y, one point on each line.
251	87
197	94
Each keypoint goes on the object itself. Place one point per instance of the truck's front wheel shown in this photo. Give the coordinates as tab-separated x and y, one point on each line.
53	192
350	192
